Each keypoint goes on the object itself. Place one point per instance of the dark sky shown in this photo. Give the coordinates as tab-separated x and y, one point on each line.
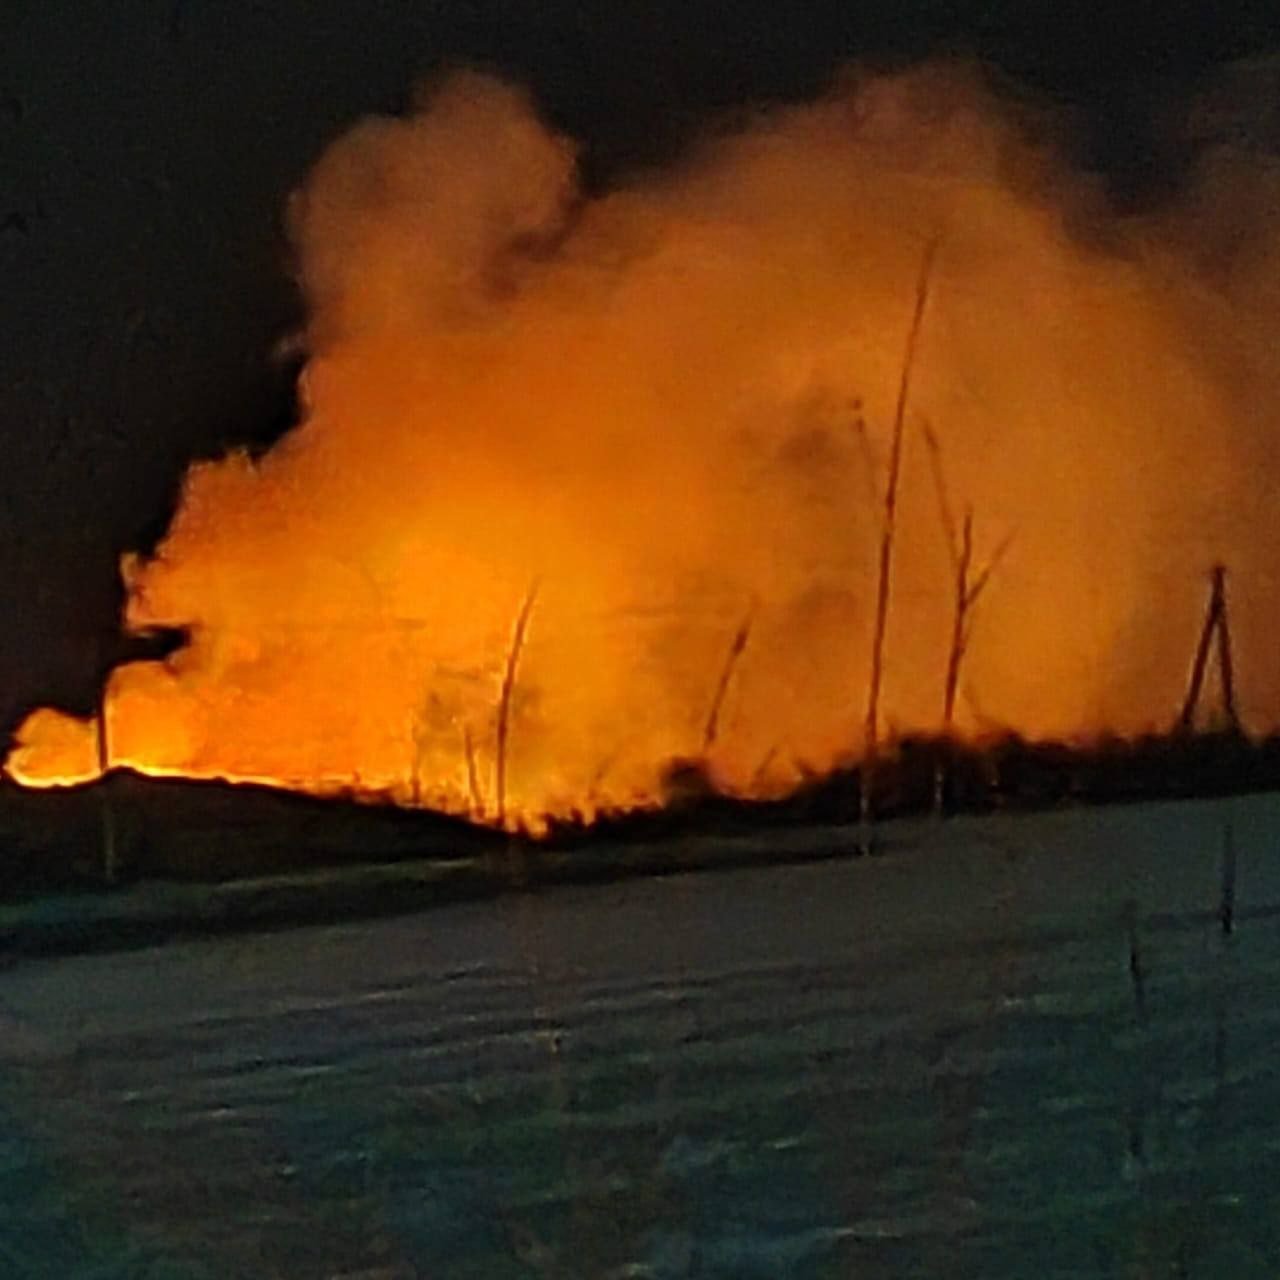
147	147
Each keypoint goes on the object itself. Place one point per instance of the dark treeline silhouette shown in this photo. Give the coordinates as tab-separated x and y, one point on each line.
1004	773
207	833
188	830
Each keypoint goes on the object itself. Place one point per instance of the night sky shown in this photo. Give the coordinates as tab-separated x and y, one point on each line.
147	148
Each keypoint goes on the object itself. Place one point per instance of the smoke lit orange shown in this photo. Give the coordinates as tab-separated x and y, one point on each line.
660	419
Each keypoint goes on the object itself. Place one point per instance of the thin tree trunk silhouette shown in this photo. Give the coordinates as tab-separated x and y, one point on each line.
473	780
871	737
965	595
504	700
712	729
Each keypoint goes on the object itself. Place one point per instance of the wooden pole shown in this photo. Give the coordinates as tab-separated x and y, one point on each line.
1226	669
504	699
1223	968
1216	627
1227	902
1137	974
1139	1104
871	736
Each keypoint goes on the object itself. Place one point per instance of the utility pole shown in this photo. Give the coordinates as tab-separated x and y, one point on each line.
1216	627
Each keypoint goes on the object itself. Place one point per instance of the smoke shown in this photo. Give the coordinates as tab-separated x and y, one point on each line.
669	406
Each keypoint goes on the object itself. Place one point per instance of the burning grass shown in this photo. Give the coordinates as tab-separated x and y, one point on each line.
253	857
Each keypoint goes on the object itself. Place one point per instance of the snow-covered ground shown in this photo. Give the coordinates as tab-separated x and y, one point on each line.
933	1063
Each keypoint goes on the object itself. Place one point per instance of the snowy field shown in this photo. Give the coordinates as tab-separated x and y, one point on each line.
933	1063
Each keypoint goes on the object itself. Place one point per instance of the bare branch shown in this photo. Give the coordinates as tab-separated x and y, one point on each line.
945	513
992	565
763	767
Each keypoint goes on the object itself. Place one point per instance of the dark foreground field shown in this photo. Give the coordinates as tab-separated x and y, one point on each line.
1020	1046
188	857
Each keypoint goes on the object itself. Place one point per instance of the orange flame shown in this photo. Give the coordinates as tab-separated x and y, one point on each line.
670	406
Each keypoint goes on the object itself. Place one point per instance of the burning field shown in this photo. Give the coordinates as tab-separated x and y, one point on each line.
589	481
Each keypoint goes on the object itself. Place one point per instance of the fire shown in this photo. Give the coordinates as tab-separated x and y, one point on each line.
587	483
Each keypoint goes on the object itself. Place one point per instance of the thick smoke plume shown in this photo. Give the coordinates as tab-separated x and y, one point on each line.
667	408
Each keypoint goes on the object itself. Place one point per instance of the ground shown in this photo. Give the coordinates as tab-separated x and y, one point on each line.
1010	1047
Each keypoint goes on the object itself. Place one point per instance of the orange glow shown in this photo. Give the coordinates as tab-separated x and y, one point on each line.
669	407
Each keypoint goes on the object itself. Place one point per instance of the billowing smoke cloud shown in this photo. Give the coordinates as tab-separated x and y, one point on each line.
666	409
